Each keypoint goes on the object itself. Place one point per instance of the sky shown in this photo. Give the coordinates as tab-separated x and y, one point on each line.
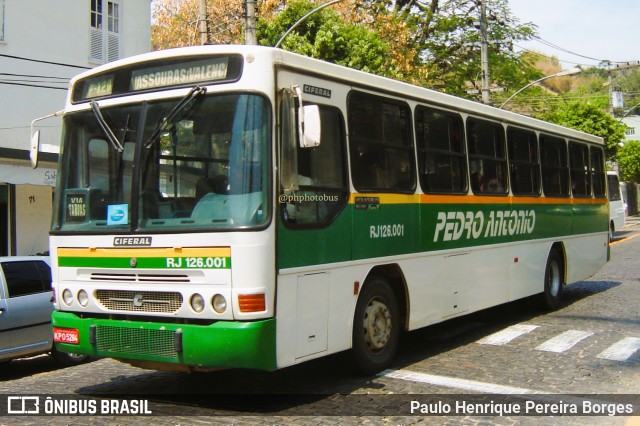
595	29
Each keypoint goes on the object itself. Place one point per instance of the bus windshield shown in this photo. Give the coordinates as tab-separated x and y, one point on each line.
200	166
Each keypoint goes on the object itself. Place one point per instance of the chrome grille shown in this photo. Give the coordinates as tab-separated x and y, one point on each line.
140	301
138	341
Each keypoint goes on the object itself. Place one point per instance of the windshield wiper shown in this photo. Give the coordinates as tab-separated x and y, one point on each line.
168	119
105	127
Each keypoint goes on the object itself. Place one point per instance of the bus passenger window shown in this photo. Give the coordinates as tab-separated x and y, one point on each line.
523	161
598	172
442	164
555	168
579	166
382	157
487	156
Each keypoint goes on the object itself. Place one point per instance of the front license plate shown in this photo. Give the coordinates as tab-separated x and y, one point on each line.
66	335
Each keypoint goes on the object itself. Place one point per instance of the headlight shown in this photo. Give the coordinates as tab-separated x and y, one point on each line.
67	297
197	303
219	303
83	298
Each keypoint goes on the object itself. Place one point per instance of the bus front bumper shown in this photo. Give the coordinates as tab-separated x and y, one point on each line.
223	344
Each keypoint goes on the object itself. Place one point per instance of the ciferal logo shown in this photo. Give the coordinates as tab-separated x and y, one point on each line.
131	241
23	405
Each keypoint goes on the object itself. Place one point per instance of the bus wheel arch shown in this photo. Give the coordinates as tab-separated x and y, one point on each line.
378	319
554	277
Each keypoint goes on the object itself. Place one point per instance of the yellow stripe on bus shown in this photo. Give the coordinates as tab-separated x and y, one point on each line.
472	199
146	252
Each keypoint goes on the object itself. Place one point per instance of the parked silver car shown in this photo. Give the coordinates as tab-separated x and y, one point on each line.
26	303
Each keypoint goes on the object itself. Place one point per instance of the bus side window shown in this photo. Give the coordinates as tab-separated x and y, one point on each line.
442	163
598	172
487	156
523	161
579	167
555	168
382	157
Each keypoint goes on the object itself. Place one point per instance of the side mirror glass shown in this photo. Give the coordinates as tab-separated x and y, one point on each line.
309	117
35	148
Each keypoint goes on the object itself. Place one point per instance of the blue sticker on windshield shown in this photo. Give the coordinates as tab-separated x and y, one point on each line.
118	214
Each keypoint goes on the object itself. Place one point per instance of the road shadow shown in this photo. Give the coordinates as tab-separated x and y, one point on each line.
25	367
313	383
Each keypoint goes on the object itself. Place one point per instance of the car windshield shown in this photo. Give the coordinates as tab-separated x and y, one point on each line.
201	166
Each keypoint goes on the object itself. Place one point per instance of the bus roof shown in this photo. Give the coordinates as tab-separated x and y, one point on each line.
355	78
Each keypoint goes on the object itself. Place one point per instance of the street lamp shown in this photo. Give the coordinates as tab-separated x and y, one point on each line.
301	20
629	111
570	71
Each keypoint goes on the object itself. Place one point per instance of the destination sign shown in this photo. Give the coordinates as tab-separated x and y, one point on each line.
98	87
209	69
159	74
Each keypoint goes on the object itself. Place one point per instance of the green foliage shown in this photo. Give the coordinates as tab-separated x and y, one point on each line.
325	35
589	118
629	161
445	33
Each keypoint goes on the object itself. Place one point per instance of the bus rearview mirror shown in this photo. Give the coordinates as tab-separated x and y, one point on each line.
35	148
309	117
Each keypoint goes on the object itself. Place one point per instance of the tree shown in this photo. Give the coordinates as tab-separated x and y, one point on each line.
327	35
629	161
445	34
589	118
175	23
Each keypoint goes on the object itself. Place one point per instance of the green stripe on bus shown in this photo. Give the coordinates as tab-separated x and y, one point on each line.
147	262
395	229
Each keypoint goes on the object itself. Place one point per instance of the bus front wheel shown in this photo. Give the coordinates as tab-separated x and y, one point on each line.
553	281
376	327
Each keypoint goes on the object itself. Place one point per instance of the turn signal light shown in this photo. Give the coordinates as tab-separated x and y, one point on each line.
252	302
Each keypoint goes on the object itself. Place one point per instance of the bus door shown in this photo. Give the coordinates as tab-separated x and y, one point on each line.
313	227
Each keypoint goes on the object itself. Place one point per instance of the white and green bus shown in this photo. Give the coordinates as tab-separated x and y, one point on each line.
244	206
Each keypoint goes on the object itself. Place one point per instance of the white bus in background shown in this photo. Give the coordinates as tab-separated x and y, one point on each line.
617	205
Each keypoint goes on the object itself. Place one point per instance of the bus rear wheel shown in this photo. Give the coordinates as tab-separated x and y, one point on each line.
376	327
553	281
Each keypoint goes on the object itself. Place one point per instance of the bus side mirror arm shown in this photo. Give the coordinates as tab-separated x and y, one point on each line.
35	138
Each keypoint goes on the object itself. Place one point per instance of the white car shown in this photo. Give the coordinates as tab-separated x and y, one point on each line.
26	303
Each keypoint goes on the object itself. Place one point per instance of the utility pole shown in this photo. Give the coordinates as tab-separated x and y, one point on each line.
250	22
202	20
484	54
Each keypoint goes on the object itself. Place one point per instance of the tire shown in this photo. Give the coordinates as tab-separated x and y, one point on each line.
553	281
68	359
376	327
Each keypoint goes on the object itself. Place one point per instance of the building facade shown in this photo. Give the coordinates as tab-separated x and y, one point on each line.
42	45
633	127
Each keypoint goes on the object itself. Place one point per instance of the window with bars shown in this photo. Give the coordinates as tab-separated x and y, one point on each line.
104	31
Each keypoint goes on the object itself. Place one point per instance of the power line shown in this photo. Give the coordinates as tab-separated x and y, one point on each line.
31	81
545	55
34	76
562	49
44	62
33	85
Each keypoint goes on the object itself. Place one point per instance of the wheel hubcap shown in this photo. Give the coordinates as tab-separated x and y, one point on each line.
377	325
